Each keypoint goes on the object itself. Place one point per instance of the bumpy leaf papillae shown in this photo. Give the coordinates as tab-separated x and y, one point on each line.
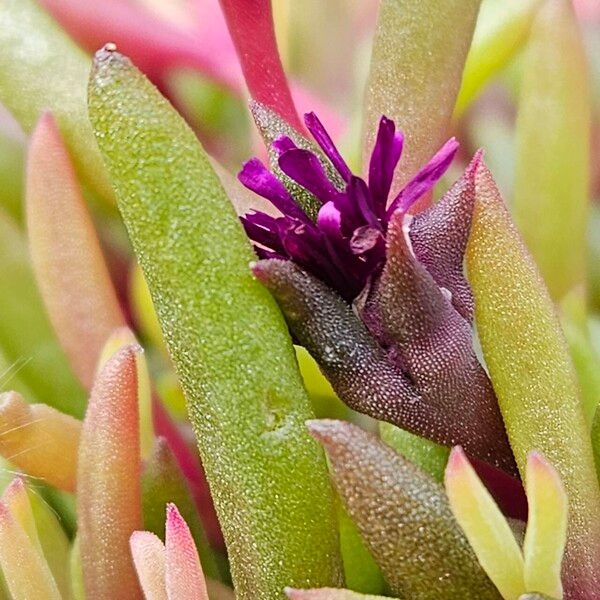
227	338
404	517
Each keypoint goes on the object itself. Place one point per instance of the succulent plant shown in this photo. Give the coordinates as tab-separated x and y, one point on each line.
390	374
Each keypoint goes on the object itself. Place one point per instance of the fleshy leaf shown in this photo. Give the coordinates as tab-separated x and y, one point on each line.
31	47
403	516
15	498
227	339
183	573
415	77
360	570
353	362
546	527
533	377
149	558
552	175
119	338
484	525
328	594
26	337
427	455
501	31
40	440
435	346
108	481
163	482
25	570
259	57
66	255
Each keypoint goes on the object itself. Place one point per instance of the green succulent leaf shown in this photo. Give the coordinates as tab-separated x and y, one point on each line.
552	167
501	32
41	68
418	57
403	516
27	341
226	336
531	370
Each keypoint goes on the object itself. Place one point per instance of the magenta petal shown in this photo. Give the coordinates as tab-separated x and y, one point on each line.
386	154
256	177
425	179
305	168
324	140
329	220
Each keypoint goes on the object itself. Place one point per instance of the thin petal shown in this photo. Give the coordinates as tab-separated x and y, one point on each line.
149	559
403	516
256	177
546	532
384	159
425	178
40	440
485	526
324	140
108	481
183	573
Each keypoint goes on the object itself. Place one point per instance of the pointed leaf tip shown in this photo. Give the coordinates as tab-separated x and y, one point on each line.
399	510
184	576
149	559
108	480
546	532
486	528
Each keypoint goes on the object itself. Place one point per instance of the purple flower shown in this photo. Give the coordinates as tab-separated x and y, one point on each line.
346	246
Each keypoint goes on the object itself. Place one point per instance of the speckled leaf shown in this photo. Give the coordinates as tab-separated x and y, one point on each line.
40	69
418	57
227	339
546	533
552	175
501	31
439	237
533	377
183	572
403	516
148	554
163	482
66	254
108	481
40	440
434	344
486	528
328	594
26	336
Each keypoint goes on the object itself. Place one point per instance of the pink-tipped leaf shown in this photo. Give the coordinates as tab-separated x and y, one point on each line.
108	482
183	572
